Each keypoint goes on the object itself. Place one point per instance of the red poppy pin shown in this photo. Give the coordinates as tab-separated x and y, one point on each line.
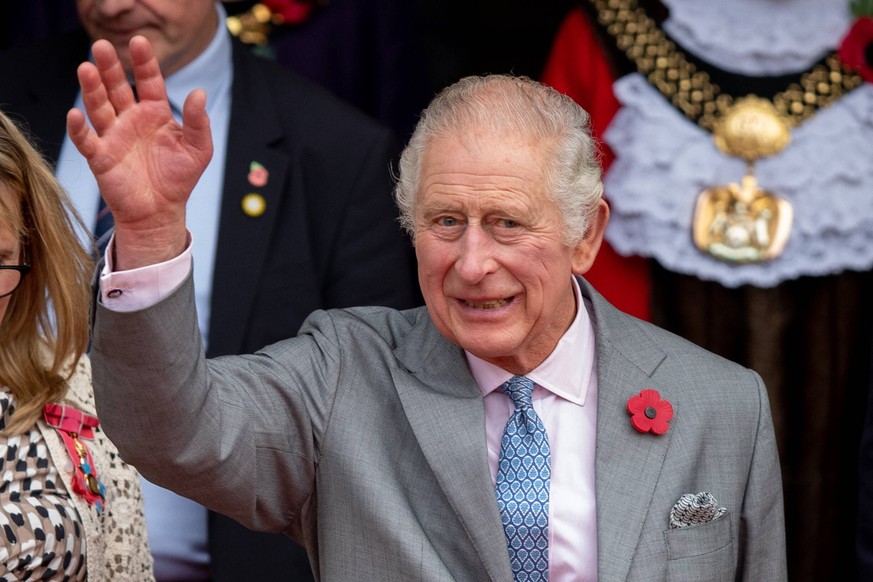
258	175
649	413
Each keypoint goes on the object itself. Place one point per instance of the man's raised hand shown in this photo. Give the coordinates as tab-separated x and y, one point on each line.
145	163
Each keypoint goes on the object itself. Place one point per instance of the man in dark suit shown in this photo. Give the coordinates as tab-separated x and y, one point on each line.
297	210
518	427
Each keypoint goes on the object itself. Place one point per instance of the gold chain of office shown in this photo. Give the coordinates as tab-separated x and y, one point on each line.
691	91
737	223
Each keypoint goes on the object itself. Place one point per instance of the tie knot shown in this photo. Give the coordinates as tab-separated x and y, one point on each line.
519	389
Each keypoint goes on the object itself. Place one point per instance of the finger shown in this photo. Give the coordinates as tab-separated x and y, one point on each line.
150	84
112	75
100	111
82	136
195	123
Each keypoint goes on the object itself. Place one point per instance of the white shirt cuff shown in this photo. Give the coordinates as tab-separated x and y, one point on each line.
143	287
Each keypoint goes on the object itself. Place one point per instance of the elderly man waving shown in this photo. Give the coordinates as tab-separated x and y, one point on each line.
516	428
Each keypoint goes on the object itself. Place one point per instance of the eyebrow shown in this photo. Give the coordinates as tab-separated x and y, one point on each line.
429	209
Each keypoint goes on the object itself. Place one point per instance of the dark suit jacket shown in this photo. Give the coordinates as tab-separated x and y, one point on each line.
329	236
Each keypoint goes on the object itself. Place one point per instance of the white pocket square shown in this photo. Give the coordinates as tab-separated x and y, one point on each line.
694	509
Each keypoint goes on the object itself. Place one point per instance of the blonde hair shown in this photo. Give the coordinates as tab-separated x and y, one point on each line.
45	329
526	108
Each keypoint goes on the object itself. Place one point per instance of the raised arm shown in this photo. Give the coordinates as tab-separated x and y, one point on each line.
145	163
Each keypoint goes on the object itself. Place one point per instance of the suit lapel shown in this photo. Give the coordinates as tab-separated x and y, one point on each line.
627	463
243	240
444	407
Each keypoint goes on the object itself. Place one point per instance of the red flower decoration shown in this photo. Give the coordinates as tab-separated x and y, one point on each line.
290	11
856	50
650	413
258	175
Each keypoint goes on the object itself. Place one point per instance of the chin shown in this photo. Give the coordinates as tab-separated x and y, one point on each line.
484	349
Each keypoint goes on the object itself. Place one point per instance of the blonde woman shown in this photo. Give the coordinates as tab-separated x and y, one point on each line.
70	508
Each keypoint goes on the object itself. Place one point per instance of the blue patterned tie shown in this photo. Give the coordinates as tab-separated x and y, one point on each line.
522	488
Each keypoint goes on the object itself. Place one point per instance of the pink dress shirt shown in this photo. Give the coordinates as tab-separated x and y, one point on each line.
565	398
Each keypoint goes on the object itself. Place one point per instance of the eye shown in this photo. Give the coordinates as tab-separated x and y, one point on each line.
447	221
506	229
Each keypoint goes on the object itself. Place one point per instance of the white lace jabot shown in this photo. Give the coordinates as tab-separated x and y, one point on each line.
663	161
758	37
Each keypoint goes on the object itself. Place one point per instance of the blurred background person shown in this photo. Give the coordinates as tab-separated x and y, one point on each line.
368	52
71	508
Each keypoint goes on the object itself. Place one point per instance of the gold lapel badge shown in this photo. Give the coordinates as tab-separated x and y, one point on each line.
254	205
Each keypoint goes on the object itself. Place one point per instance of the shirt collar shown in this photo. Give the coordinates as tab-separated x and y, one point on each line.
567	370
211	71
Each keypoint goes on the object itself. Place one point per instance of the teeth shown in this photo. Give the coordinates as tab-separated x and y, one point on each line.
488	304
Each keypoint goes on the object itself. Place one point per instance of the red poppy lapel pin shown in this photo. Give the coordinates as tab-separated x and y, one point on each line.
258	175
649	413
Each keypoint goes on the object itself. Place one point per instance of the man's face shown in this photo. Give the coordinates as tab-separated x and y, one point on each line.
179	30
494	272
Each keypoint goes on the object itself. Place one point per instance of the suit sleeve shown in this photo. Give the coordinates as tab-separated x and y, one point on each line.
237	434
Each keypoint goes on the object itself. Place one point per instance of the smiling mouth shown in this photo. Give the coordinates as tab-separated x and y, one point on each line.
488	304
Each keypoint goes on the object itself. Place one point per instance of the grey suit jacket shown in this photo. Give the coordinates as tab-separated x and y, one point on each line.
363	438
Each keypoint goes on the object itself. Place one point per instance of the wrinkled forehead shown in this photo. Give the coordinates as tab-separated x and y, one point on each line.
482	148
481	139
491	168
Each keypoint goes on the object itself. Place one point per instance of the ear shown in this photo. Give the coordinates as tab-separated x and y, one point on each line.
586	251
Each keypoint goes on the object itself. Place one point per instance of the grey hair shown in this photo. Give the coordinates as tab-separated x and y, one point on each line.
524	106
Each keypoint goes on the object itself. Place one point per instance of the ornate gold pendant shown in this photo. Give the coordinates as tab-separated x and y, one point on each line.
741	223
751	129
744	223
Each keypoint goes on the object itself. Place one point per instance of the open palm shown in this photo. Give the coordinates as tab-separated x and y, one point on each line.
146	164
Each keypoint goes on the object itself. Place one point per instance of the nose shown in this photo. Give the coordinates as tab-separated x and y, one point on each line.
476	257
110	8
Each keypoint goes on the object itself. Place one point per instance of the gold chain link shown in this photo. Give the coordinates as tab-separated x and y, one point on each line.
691	90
